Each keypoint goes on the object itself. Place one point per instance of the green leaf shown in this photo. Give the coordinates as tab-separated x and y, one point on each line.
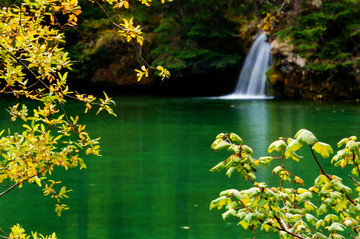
251	217
236	138
277	170
323	209
306	136
262	202
220	202
350	222
343	141
341	187
340	155
265	160
26	126
292	147
216	142
228	213
252	176
320	236
320	180
304	196
352	145
277	145
226	192
230	171
320	223
222	145
231	205
295	156
235	148
241	215
217	200
247	167
310	218
323	149
331	218
341	206
252	192
220	166
247	149
310	207
336	227
272	194
235	193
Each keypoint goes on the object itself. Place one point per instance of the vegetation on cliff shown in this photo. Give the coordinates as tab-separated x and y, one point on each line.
203	41
191	40
326	35
209	38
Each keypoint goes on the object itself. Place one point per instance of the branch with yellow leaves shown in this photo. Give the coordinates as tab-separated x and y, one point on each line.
133	34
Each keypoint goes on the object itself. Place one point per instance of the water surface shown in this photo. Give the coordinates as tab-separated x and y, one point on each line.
153	180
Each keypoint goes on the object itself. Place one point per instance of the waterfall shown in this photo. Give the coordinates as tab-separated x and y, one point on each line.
252	80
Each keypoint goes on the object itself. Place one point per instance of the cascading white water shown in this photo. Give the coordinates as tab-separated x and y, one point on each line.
252	80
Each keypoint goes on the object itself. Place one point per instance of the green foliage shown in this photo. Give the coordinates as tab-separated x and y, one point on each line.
329	208
328	36
190	38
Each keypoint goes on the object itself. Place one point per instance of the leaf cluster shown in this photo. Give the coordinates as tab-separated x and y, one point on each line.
327	209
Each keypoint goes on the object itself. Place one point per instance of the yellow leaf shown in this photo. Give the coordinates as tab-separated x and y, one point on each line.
298	180
246	201
220	202
323	149
266	227
38	181
52	19
244	224
301	190
223	202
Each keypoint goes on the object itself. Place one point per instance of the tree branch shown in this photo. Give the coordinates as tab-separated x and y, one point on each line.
25	66
321	169
108	16
356	182
20	182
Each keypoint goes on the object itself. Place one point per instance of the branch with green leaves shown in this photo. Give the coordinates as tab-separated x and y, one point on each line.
328	208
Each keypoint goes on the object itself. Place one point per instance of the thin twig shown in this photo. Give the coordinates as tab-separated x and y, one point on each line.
321	169
282	228
356	182
138	49
108	16
16	184
353	159
25	66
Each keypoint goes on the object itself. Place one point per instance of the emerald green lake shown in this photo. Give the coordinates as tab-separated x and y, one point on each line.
153	178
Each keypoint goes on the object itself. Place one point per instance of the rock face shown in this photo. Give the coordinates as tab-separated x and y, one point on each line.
290	78
286	50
